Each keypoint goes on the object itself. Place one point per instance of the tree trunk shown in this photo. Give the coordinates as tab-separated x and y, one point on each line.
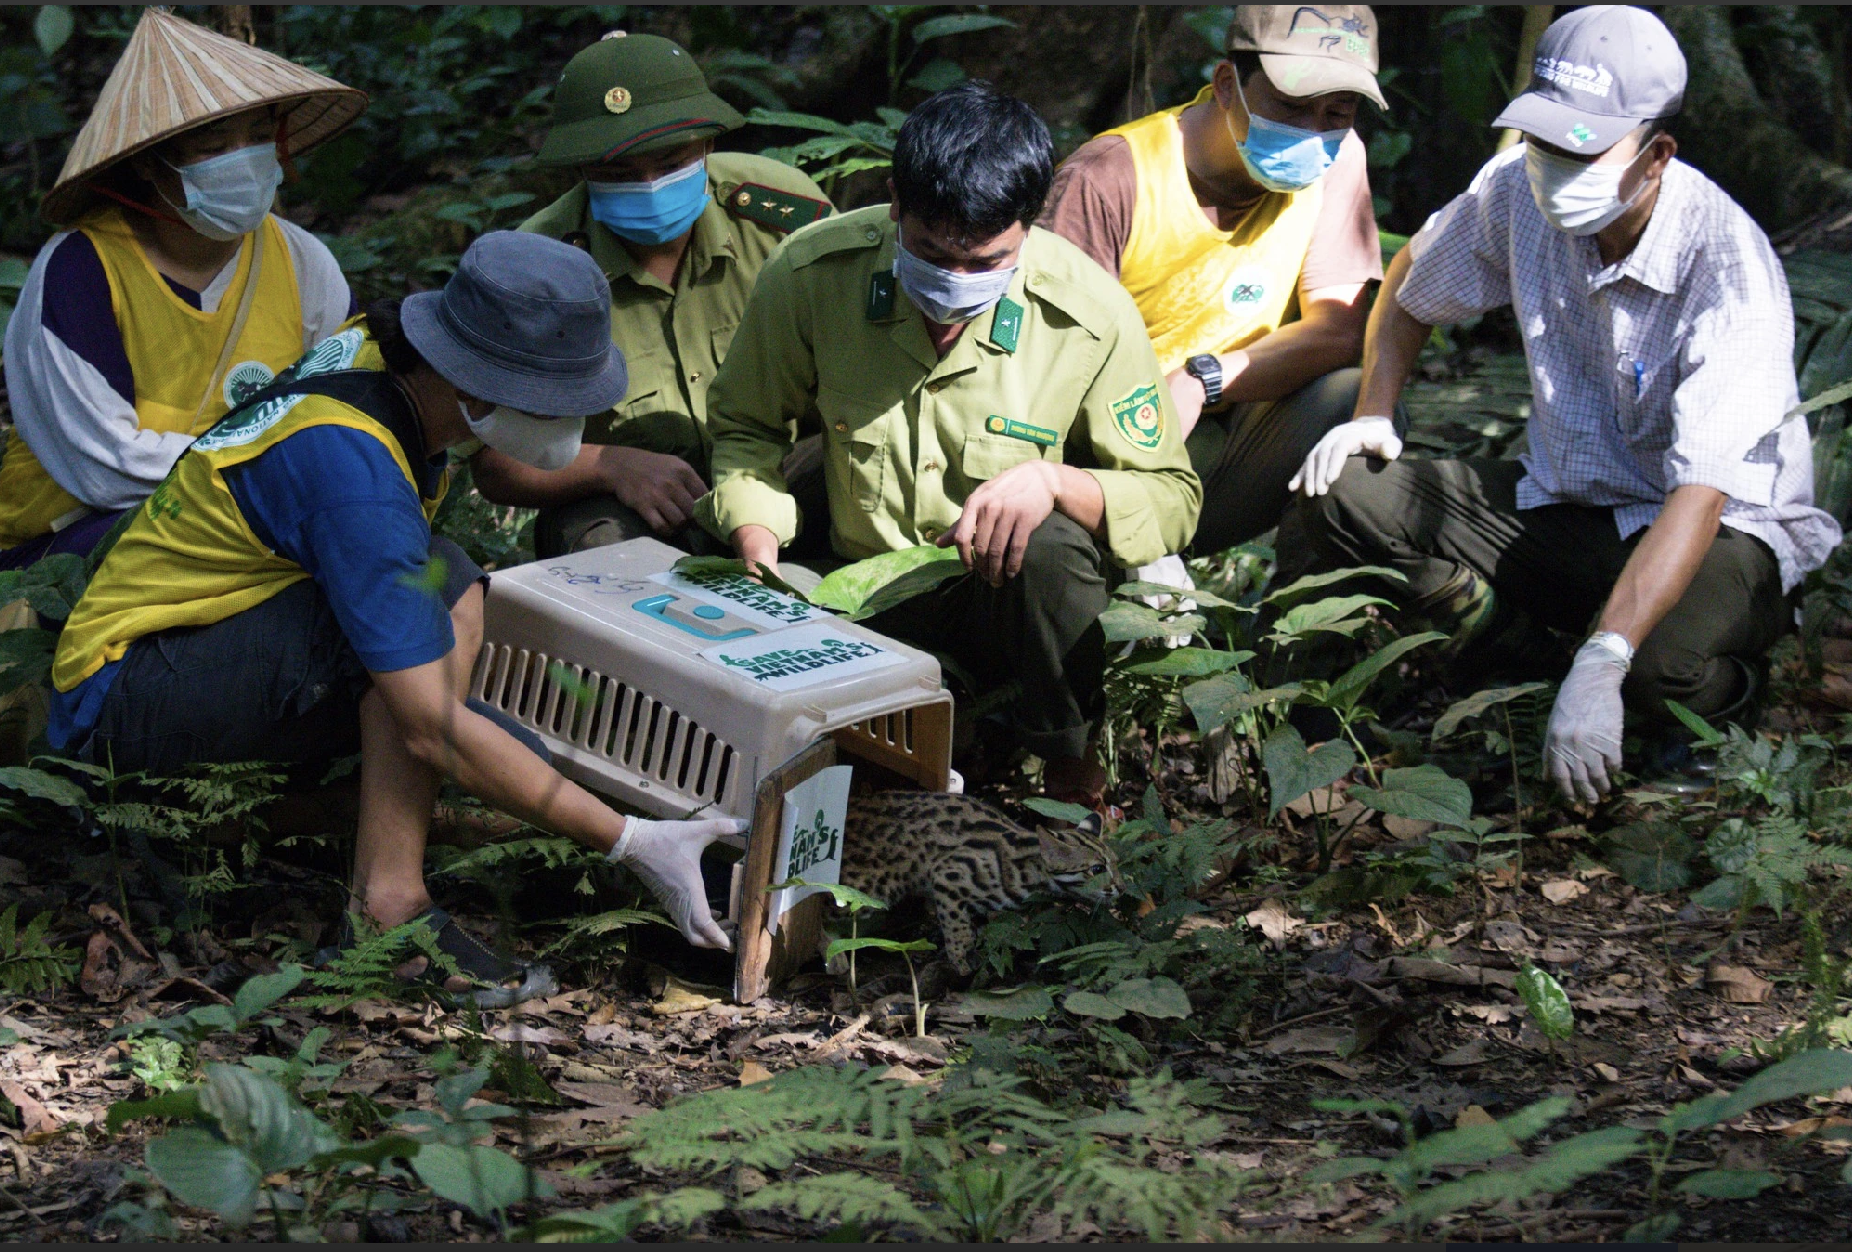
1730	133
1536	21
235	22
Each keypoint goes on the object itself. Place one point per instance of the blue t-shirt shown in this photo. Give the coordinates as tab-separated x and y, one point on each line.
333	500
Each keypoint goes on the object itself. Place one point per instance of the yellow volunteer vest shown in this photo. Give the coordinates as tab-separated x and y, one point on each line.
188	557
174	350
1201	289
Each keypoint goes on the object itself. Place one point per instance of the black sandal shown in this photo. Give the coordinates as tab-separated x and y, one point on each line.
474	960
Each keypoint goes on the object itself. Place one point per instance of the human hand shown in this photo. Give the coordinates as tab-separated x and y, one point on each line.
661	488
667	857
992	532
1361	436
1583	743
758	547
1188	395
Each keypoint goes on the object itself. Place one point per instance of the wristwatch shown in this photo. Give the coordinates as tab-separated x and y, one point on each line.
1207	368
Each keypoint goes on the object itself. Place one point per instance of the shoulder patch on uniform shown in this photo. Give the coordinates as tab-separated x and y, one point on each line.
1006	324
1138	416
782	211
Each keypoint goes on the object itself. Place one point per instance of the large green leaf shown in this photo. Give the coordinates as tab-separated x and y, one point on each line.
1093	1004
263	1119
483	1180
1152	997
1204	599
43	786
1021	1005
1728	1184
1478	703
1189	663
1312	582
1811	1073
1423	793
1292	771
850	587
259	993
957	24
692	565
1547	1001
796	121
1652	856
1060	810
1127	620
1351	685
25	657
1220	700
53	26
837	948
203	1172
1333	615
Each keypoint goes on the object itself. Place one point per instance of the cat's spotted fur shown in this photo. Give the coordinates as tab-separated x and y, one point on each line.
962	857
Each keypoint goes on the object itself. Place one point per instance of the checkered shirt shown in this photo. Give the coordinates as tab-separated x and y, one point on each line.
1673	366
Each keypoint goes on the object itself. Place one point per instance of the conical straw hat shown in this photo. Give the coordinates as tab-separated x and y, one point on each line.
174	76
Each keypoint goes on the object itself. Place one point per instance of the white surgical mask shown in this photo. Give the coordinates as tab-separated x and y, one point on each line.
1575	197
227	196
546	443
947	296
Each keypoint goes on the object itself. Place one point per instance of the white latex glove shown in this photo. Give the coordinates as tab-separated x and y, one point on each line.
1584	740
1373	436
667	857
1167	571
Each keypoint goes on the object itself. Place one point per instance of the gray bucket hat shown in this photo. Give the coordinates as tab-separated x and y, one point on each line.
524	322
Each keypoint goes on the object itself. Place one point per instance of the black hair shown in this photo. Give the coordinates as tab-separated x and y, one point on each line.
973	160
1246	63
389	333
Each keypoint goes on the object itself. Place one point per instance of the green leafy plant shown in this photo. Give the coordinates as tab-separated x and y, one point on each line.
1548	1004
28	961
863	589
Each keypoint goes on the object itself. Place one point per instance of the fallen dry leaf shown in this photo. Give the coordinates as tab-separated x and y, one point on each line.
1562	890
1407	827
1334	1039
12	873
1490	1014
613	1096
35	1118
1247	1160
516	1033
1473	1115
1275	921
1737	985
1608	1072
677	999
752	1072
1467	1054
1815	1125
1440	971
902	1073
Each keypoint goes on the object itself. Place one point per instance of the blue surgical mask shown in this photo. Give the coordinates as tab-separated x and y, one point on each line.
946	296
652	212
1281	157
227	196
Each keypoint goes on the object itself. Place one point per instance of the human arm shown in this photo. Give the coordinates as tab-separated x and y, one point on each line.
763	391
1327	336
1092	199
1149	497
1664	562
660	487
70	385
992	531
447	736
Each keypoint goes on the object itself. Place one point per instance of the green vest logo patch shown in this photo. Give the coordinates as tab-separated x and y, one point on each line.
244	380
1247	287
241	426
1139	417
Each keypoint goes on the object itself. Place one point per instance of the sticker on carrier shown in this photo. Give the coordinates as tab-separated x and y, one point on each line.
763	607
802	656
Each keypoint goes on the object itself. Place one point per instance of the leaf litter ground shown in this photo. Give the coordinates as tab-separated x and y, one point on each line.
1414	1002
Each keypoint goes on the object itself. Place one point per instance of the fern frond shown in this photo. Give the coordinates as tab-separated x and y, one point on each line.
844	1198
27	962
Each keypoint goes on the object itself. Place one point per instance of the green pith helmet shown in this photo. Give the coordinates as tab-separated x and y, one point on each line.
631	93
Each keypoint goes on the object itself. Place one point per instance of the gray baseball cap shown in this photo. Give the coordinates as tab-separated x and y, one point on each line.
1600	72
524	322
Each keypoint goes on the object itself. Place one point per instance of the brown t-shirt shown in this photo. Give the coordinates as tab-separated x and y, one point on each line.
1096	190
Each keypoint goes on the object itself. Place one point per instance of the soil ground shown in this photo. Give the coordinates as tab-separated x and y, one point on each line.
1410	1002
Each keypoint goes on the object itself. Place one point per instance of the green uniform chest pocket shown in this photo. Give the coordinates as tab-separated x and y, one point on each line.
855	442
1004	443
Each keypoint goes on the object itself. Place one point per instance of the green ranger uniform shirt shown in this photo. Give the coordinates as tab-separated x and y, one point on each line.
1061	369
675	339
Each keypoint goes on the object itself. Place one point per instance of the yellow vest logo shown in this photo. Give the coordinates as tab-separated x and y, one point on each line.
1139	417
1246	290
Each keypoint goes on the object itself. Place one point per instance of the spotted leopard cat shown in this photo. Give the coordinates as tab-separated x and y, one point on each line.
963	858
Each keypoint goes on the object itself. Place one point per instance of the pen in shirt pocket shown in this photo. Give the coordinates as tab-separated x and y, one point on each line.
1639	374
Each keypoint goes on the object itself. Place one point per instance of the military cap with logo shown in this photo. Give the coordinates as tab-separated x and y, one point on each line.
1308	50
631	93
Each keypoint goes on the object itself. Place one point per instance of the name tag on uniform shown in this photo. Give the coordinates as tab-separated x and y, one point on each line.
1013	429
